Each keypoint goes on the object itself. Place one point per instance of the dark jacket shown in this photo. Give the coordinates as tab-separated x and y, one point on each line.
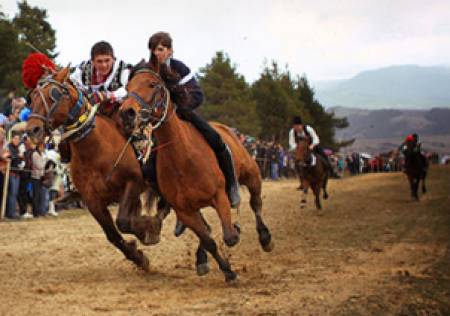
184	88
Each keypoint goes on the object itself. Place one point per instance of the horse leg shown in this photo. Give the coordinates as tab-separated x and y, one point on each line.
416	188
195	222
299	175
222	206
304	193
324	187
265	238
316	190
201	262
128	248
129	204
424	189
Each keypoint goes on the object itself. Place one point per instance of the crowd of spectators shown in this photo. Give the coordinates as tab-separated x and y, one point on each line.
32	177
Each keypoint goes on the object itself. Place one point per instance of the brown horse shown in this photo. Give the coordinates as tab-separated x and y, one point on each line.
416	166
188	173
96	143
313	171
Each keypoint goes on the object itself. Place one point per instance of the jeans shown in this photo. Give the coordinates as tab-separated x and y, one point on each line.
38	198
13	191
274	170
45	199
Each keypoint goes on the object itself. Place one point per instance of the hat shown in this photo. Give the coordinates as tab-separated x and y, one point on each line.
409	138
297	120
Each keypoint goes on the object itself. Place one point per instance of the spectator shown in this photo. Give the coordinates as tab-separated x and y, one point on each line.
14	176
37	172
25	178
4	155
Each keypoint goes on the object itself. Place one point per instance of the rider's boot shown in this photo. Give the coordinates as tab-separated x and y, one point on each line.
232	185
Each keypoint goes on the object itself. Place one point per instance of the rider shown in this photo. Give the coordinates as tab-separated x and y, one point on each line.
414	140
300	130
103	77
187	94
416	147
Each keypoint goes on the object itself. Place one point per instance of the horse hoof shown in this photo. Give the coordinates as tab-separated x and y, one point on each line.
145	263
202	269
269	247
303	201
231	277
231	241
325	196
179	229
237	226
302	205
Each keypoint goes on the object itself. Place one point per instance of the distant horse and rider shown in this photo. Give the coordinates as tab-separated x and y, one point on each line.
311	163
416	164
314	172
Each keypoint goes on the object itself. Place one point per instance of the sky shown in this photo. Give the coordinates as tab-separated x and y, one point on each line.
323	40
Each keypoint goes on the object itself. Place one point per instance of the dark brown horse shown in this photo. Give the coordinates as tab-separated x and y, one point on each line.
314	173
96	143
416	167
188	174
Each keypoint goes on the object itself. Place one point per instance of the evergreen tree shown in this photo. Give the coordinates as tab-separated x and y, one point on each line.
29	26
9	50
323	122
227	96
277	103
32	26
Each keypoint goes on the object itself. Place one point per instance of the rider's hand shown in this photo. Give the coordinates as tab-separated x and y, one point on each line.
311	146
97	97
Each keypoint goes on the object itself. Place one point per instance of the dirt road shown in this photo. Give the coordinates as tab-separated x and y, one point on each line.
371	251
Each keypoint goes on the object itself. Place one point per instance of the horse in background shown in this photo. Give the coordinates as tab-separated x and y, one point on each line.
416	167
188	174
96	143
313	170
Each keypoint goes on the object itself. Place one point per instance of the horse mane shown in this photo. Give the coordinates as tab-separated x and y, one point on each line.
170	77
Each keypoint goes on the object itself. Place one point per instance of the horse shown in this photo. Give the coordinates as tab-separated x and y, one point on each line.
314	173
96	143
188	174
416	167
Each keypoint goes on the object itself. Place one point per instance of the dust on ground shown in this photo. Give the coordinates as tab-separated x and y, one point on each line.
371	251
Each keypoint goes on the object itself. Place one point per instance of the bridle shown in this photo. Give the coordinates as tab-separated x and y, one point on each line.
307	163
77	125
146	109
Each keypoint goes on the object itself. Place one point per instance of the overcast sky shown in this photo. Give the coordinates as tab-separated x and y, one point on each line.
322	39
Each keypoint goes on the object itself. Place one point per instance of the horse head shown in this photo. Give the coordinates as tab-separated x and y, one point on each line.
148	98
55	103
303	154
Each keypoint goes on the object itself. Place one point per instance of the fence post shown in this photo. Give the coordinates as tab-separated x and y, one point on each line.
5	189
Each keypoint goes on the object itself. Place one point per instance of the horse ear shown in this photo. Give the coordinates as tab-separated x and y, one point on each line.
63	74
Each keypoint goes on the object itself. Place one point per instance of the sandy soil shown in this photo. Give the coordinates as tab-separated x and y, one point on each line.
371	251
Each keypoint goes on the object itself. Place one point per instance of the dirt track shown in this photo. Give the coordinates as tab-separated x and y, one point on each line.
372	251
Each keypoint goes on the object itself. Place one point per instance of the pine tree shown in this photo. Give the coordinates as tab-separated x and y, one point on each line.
323	122
33	28
9	50
227	96
277	102
29	26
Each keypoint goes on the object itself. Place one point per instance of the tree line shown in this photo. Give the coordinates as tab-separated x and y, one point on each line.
262	109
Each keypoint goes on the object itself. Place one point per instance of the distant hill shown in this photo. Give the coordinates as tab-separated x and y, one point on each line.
379	130
395	87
